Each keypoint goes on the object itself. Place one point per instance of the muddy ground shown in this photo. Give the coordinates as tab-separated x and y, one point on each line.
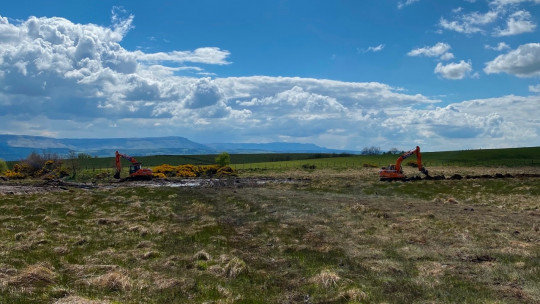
30	187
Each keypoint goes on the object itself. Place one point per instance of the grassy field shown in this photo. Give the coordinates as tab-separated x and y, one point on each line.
291	236
515	157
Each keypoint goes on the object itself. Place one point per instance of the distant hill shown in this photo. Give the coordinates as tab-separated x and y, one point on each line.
16	147
275	147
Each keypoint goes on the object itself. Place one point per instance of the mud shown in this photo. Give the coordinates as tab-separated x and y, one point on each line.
33	187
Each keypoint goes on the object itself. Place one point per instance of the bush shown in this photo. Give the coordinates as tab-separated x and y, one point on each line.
224	159
14	175
309	167
102	175
3	166
158	175
36	165
186	171
226	171
163	171
166	170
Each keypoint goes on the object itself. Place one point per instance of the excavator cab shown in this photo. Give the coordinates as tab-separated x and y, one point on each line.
134	168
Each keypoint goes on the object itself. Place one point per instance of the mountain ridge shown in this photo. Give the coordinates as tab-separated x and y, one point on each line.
16	147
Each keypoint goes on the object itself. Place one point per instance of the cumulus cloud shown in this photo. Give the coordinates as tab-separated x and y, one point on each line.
522	62
499	47
59	68
502	3
438	50
454	70
534	88
469	23
515	21
518	23
72	80
480	123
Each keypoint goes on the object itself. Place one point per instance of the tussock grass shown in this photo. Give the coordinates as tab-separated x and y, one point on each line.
326	278
34	276
326	236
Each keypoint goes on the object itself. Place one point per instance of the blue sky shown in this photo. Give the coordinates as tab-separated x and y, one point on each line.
341	74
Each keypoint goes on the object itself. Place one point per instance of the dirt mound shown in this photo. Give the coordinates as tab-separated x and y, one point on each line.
460	177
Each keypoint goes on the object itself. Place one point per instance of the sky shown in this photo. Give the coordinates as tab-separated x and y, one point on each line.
444	75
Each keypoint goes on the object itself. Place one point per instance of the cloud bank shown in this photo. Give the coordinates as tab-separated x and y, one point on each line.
58	78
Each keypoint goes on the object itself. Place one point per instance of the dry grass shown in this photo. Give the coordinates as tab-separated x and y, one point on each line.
79	300
324	236
34	276
111	281
326	278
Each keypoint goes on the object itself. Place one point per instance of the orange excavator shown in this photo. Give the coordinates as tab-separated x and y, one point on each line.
135	169
395	172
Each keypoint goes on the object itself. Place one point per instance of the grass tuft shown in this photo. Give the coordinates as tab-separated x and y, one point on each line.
326	278
111	281
33	276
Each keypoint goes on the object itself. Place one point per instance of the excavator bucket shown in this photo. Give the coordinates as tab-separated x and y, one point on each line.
117	175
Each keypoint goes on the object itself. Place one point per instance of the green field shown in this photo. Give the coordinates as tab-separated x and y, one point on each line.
274	236
514	157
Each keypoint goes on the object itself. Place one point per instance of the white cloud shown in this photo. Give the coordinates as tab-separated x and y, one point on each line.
481	123
402	4
75	80
447	56
207	55
438	50
454	70
375	49
515	22
518	23
469	23
61	69
522	62
511	2
499	47
534	88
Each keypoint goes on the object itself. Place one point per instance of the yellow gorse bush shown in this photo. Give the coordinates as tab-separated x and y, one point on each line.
167	170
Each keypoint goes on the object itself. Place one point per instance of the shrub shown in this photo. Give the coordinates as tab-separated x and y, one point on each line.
186	171
166	169
158	175
308	166
11	174
3	166
102	175
223	159
226	171
209	170
50	169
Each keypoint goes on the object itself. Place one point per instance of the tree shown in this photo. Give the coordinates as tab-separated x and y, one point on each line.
74	162
223	159
371	151
393	151
3	166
